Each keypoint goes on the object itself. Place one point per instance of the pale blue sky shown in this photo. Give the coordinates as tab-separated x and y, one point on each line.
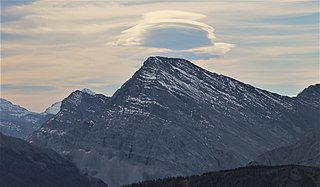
50	48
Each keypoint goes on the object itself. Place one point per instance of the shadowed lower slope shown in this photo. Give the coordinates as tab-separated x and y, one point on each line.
25	165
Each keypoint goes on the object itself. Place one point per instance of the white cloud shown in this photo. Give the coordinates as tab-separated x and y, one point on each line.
170	29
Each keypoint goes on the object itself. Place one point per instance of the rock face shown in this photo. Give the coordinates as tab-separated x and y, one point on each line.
17	121
26	165
286	176
304	152
174	118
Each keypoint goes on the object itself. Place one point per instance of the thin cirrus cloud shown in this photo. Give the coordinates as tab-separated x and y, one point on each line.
25	88
172	32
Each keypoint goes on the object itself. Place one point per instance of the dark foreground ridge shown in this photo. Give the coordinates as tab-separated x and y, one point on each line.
25	165
262	176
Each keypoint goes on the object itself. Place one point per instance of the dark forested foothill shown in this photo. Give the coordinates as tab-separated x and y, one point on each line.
262	176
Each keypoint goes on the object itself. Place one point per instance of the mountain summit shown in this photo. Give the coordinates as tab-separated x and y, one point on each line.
173	118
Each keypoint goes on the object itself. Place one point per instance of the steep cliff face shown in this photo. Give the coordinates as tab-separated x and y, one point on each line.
173	118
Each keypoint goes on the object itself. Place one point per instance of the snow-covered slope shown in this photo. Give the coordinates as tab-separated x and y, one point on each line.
173	118
304	152
17	121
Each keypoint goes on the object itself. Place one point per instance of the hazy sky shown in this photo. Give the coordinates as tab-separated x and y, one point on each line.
51	48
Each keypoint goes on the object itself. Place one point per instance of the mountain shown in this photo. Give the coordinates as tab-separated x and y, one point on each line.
66	127
25	165
262	176
18	122
174	118
304	152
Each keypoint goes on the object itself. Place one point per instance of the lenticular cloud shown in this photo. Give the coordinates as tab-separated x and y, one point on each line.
173	31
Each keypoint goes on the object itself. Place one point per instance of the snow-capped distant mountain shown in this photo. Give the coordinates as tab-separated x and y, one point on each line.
174	118
53	109
17	121
14	110
23	164
304	152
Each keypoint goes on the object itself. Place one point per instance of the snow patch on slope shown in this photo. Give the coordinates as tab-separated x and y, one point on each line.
88	91
54	108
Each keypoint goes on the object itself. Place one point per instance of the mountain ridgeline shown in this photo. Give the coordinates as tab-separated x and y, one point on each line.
175	118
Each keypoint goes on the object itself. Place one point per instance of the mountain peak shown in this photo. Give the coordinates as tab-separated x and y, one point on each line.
311	90
310	95
181	78
4	101
161	61
88	91
82	99
158	67
171	74
76	97
7	106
